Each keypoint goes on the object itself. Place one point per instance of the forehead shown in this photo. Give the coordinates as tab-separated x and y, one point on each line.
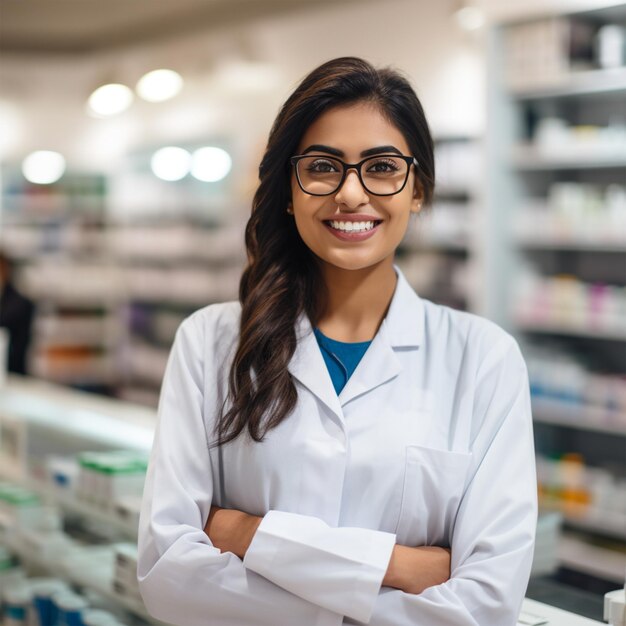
352	129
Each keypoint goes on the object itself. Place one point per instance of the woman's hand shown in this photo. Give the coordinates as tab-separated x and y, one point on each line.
231	530
414	569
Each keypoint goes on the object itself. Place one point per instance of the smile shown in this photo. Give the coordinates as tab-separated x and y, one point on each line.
352	227
352	231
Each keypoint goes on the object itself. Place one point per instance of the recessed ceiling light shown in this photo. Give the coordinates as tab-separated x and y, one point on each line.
110	99
159	85
210	164
171	163
43	167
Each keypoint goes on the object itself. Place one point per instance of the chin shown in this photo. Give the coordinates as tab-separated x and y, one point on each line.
352	262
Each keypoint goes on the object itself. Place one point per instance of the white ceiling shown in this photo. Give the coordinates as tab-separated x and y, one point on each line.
79	26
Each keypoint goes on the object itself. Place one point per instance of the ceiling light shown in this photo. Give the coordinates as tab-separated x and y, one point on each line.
171	163
110	99
159	85
210	164
470	18
43	167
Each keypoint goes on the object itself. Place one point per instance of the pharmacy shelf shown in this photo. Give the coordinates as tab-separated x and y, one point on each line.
102	584
447	190
542	242
609	524
531	158
44	206
559	413
79	508
572	330
584	518
591	559
417	244
581	83
527	225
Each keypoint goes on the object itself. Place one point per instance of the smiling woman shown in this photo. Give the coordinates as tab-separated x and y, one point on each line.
332	448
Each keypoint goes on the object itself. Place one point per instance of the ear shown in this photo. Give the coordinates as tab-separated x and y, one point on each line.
418	198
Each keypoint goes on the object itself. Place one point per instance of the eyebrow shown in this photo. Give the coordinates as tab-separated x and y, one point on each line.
369	152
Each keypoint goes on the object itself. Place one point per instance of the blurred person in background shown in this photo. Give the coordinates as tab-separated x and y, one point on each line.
332	448
16	315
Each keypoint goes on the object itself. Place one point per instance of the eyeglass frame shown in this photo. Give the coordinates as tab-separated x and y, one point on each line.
410	160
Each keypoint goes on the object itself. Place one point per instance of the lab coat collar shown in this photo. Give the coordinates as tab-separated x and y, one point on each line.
308	366
405	317
402	326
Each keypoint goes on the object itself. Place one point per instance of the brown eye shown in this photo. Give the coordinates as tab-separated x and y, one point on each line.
321	166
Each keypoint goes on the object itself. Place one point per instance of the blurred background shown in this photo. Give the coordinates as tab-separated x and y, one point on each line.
130	139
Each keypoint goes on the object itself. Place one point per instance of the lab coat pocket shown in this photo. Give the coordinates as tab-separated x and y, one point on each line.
434	483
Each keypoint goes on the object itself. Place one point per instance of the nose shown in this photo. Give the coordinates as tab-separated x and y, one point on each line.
351	193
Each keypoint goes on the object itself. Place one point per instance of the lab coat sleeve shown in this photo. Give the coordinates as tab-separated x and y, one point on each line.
182	578
341	569
493	537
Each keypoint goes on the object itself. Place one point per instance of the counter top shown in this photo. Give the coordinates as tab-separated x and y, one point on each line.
554	616
42	404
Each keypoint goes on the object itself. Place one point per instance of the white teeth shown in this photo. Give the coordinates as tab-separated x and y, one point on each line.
352	226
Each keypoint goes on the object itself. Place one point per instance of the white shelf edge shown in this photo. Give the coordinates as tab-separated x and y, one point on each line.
553	243
549	411
529	157
581	83
610	524
591	559
569	329
617	529
418	245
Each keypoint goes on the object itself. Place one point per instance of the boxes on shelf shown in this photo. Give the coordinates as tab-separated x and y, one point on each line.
545	558
105	478
125	572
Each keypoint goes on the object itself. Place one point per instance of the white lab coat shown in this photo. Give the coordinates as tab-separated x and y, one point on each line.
429	443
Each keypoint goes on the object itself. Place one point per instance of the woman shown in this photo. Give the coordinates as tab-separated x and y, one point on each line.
375	460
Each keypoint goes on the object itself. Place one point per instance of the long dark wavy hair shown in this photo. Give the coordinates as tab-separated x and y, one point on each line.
282	276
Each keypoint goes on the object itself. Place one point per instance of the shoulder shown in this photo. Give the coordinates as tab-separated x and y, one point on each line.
212	326
473	334
216	317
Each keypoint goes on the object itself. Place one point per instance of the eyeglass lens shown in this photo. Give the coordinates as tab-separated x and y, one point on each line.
380	175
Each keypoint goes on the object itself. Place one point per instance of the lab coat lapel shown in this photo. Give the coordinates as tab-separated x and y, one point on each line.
308	366
378	365
403	326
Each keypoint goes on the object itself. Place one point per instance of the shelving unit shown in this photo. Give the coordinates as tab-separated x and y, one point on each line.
38	419
570	415
572	330
556	205
115	263
56	234
182	247
440	255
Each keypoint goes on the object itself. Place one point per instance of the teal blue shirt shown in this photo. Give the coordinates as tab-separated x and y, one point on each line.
341	357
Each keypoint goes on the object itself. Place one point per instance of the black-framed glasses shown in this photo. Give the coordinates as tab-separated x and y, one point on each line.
381	175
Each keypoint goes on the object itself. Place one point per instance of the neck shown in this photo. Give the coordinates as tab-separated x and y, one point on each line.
357	300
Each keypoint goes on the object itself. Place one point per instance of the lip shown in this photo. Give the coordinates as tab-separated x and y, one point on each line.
352	236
